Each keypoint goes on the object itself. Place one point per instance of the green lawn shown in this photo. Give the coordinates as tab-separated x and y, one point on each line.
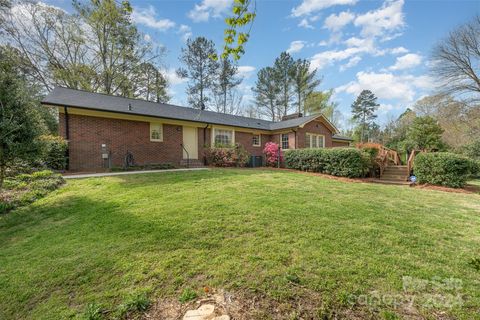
288	238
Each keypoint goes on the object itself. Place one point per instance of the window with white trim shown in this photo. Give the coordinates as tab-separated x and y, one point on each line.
156	132
284	139
223	137
256	140
314	140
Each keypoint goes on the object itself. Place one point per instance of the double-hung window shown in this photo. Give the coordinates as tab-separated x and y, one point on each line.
284	141
314	140
223	137
256	142
156	132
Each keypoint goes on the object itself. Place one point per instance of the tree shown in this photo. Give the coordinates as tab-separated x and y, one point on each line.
456	60
284	68
304	83
225	82
363	111
266	93
425	134
200	69
320	102
153	84
243	15
20	122
97	49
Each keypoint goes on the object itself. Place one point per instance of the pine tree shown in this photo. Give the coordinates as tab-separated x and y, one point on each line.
284	68
266	93
304	82
200	69
225	82
363	111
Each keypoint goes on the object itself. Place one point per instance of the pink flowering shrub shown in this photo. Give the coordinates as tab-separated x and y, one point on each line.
235	156
271	154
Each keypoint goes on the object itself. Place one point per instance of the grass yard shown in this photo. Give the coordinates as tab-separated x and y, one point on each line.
309	246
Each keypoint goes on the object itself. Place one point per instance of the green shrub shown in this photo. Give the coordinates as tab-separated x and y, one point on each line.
54	152
343	162
26	188
444	169
235	156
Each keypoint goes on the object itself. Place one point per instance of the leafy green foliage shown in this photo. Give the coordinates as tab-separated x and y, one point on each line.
227	156
243	14
363	111
443	168
54	152
20	122
472	150
187	295
225	82
266	93
425	134
343	162
27	188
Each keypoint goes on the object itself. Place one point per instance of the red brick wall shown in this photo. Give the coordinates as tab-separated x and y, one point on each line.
87	134
314	127
337	144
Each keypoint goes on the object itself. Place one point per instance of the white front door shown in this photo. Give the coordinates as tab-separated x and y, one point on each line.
190	142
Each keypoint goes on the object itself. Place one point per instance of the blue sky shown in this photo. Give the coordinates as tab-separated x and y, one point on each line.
378	45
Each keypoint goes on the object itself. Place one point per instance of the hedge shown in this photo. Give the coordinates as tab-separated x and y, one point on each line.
54	152
342	162
444	169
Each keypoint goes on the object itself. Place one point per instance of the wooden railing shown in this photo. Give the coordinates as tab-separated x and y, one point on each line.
385	155
411	160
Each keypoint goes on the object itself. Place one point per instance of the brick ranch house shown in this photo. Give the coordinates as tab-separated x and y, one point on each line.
101	129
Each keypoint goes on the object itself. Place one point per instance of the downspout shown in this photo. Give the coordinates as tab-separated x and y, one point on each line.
67	137
204	143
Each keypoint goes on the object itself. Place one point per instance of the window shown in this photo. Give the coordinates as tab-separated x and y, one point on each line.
256	140
314	140
156	132
284	140
223	137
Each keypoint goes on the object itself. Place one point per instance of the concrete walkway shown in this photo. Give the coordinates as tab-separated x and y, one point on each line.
121	173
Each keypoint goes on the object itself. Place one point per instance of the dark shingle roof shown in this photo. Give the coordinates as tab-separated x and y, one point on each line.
338	137
96	101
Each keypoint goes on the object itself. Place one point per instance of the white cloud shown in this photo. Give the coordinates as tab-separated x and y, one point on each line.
209	8
383	21
296	46
407	61
336	22
398	50
351	63
310	6
385	107
304	23
185	31
245	71
173	78
326	58
146	17
147	37
388	86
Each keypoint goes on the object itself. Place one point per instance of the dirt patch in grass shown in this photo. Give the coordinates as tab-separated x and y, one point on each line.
467	189
247	306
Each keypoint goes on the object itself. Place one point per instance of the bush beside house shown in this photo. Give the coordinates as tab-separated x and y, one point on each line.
271	152
444	168
342	162
54	152
235	156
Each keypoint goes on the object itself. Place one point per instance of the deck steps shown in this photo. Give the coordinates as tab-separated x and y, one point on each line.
394	175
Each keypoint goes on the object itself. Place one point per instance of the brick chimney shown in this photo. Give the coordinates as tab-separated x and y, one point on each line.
292	116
